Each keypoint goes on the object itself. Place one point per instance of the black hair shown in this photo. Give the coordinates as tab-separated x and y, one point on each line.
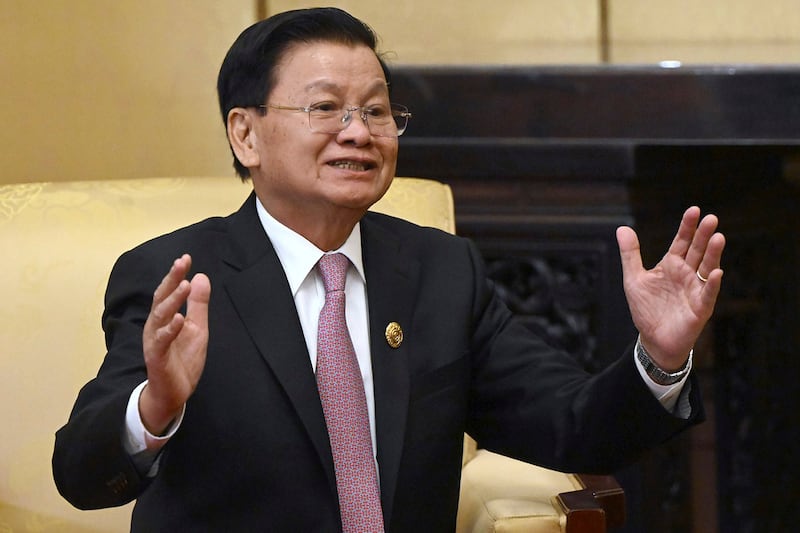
247	74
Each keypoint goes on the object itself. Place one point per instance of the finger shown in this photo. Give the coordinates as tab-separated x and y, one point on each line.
177	273
164	322
162	311
163	336
713	255
629	251
197	302
702	236
683	238
710	291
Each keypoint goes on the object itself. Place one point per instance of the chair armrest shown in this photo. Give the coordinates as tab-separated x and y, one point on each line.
502	494
599	505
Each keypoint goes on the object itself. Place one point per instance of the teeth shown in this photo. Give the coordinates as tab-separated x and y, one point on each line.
349	165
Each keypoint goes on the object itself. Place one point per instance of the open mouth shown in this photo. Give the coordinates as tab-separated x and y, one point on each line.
356	166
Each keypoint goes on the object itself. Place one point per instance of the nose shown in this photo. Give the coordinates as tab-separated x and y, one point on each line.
357	130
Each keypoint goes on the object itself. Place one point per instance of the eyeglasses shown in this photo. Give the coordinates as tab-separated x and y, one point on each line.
332	118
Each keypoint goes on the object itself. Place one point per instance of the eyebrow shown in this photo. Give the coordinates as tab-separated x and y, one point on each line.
332	86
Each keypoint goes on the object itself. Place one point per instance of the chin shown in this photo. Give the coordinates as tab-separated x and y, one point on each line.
362	194
360	202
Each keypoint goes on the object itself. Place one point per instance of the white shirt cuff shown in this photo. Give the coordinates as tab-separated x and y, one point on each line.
140	442
666	394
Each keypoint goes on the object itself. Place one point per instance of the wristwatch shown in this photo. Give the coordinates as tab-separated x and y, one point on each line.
655	372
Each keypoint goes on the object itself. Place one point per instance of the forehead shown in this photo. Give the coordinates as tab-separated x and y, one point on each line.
325	66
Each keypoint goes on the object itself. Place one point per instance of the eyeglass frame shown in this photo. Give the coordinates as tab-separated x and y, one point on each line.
347	119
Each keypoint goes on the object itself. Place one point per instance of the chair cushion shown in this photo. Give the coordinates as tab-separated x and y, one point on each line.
499	494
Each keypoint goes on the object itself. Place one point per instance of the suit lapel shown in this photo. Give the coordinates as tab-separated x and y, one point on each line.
391	280
262	298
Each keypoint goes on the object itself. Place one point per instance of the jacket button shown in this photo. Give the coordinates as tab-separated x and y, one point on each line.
118	483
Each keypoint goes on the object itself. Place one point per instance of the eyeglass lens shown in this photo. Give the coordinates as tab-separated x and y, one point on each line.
381	121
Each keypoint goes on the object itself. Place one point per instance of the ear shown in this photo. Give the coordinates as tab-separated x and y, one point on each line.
242	136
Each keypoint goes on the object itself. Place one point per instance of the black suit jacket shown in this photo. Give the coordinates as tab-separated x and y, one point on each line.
252	453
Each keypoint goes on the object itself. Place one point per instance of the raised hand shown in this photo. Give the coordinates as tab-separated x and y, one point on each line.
671	303
174	345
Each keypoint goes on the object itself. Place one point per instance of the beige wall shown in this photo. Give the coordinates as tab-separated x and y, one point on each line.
478	31
707	31
569	32
98	88
125	88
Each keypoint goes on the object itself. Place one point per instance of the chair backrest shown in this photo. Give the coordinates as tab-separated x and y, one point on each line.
423	201
59	242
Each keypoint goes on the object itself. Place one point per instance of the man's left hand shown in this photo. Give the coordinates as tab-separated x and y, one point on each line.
671	303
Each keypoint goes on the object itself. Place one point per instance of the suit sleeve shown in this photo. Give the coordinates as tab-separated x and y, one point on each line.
533	402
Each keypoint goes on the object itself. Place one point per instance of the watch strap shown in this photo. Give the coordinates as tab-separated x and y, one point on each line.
656	373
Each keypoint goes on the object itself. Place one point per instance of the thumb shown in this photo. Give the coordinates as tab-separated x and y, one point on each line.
197	302
629	251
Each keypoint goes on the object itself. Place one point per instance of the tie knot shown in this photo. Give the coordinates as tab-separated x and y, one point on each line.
333	268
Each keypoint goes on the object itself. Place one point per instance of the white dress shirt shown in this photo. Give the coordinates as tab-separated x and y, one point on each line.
299	258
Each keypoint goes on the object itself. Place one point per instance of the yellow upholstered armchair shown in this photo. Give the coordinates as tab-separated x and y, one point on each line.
59	242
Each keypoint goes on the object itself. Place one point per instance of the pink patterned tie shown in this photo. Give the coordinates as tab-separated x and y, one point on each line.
341	391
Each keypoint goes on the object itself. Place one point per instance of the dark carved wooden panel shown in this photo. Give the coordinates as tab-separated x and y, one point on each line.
562	291
556	294
546	162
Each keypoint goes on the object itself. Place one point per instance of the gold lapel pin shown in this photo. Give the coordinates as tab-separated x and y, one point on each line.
394	334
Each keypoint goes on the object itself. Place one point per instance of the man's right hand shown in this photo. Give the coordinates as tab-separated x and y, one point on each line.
174	345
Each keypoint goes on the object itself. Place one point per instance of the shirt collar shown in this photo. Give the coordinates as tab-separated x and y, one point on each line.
298	255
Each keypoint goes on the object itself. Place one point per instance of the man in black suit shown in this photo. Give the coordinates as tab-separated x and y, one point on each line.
206	409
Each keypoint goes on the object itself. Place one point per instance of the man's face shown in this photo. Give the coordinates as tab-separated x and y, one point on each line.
306	174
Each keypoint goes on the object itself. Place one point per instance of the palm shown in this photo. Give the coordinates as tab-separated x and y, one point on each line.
174	345
183	362
669	304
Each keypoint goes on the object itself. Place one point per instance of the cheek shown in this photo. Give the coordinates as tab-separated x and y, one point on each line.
389	153
387	147
296	154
